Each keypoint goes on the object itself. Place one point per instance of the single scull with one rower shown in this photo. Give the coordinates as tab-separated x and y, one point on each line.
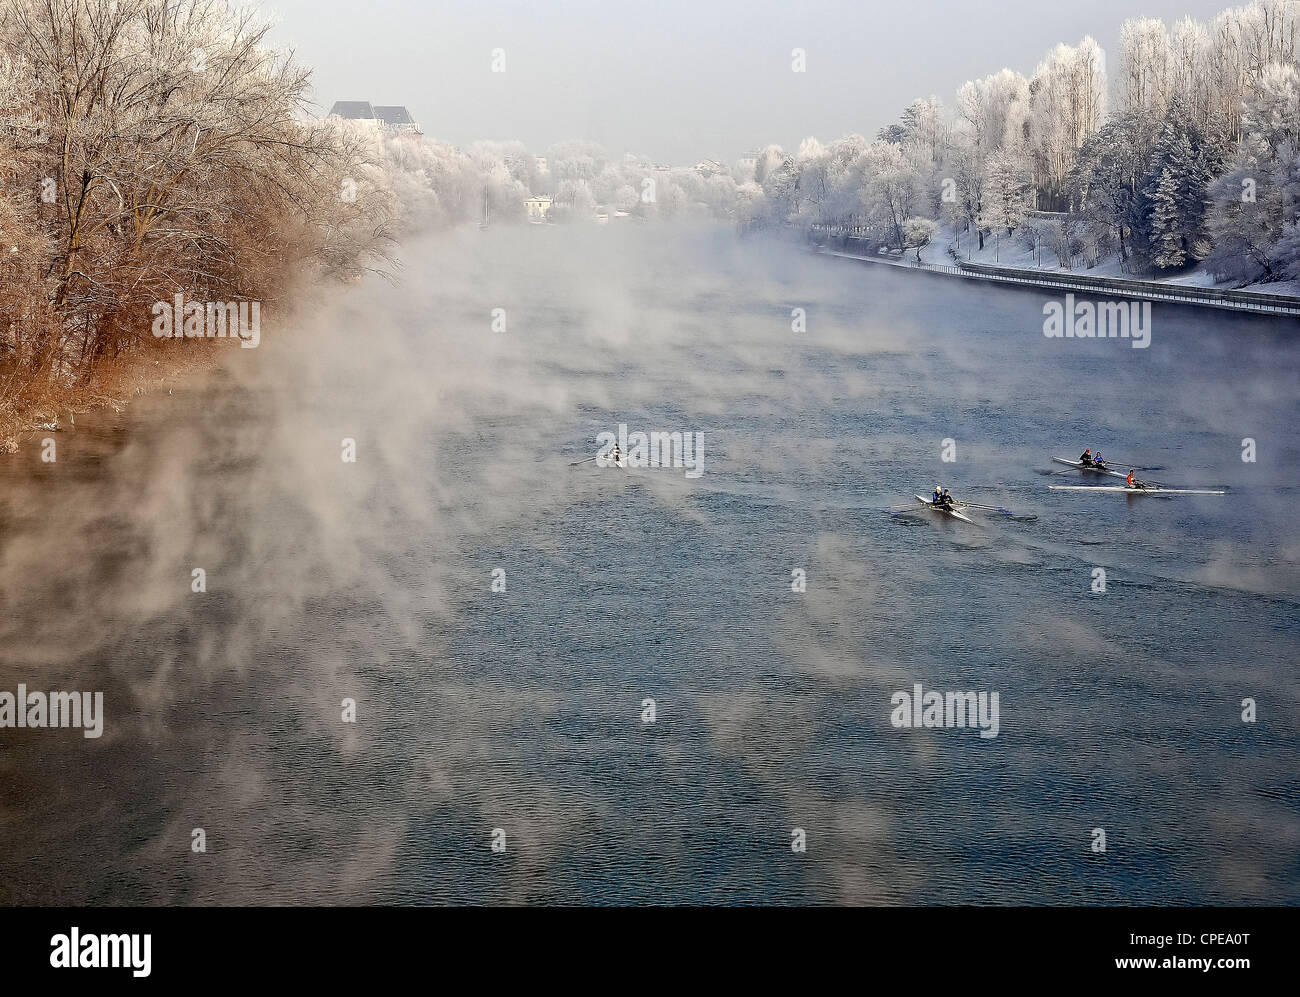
1153	490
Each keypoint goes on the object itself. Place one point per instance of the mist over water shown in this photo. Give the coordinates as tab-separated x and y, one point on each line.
522	710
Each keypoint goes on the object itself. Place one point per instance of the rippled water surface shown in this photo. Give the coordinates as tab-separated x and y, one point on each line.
522	710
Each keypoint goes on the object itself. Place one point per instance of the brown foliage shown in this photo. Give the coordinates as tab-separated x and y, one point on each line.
149	148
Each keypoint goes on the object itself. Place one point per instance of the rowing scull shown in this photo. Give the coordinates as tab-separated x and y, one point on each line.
1080	466
1137	491
951	512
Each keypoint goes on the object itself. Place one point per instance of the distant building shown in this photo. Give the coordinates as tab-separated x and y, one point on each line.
397	118
709	167
539	207
542	166
747	166
389	117
354	110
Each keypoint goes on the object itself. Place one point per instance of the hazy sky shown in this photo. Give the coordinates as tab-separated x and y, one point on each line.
679	80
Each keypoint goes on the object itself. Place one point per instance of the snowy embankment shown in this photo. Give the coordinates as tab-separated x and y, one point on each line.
1013	255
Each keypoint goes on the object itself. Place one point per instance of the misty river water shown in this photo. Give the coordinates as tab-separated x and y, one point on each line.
522	710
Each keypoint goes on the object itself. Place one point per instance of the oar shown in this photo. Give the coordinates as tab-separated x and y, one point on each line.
1129	463
986	508
575	463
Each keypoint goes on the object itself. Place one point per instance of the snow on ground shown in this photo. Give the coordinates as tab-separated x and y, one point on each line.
1010	253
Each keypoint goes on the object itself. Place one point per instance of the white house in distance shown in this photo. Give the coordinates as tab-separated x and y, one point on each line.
539	207
389	117
542	165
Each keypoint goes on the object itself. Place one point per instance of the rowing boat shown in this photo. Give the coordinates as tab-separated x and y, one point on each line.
951	512
1092	468
1137	491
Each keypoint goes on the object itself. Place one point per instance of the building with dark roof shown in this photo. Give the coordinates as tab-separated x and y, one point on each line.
390	116
353	110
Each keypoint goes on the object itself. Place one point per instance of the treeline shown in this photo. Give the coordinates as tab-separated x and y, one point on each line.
435	184
150	148
1190	155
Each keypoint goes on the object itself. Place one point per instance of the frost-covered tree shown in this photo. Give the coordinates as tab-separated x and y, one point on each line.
781	189
992	113
1188	67
891	191
1067	99
770	157
969	184
574	201
1035	234
1144	77
1105	181
1250	208
918	233
1176	191
1272	113
1008	186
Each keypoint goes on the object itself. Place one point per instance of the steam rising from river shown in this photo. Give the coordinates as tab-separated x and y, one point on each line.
329	580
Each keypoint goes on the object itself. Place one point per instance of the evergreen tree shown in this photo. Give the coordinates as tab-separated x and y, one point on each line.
1176	195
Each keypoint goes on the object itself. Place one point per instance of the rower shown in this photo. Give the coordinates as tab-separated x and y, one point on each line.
937	497
1086	456
1097	460
1133	482
614	456
945	499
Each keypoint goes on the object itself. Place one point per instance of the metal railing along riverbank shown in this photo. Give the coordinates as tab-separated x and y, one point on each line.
854	247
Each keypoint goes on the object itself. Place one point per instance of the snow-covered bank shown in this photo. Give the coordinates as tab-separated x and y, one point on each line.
1058	280
1011	254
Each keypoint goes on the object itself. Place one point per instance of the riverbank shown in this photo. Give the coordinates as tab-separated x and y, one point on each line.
854	248
55	406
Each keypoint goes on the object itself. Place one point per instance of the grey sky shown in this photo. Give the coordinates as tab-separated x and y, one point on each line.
679	80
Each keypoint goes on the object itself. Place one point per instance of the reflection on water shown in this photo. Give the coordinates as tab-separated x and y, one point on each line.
522	710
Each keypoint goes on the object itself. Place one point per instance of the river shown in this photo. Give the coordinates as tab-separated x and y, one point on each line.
519	716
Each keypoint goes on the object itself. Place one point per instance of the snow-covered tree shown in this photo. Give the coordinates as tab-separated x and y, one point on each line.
919	233
1176	190
993	112
1246	221
1144	77
892	187
969	184
1272	113
1008	186
1105	181
1067	98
